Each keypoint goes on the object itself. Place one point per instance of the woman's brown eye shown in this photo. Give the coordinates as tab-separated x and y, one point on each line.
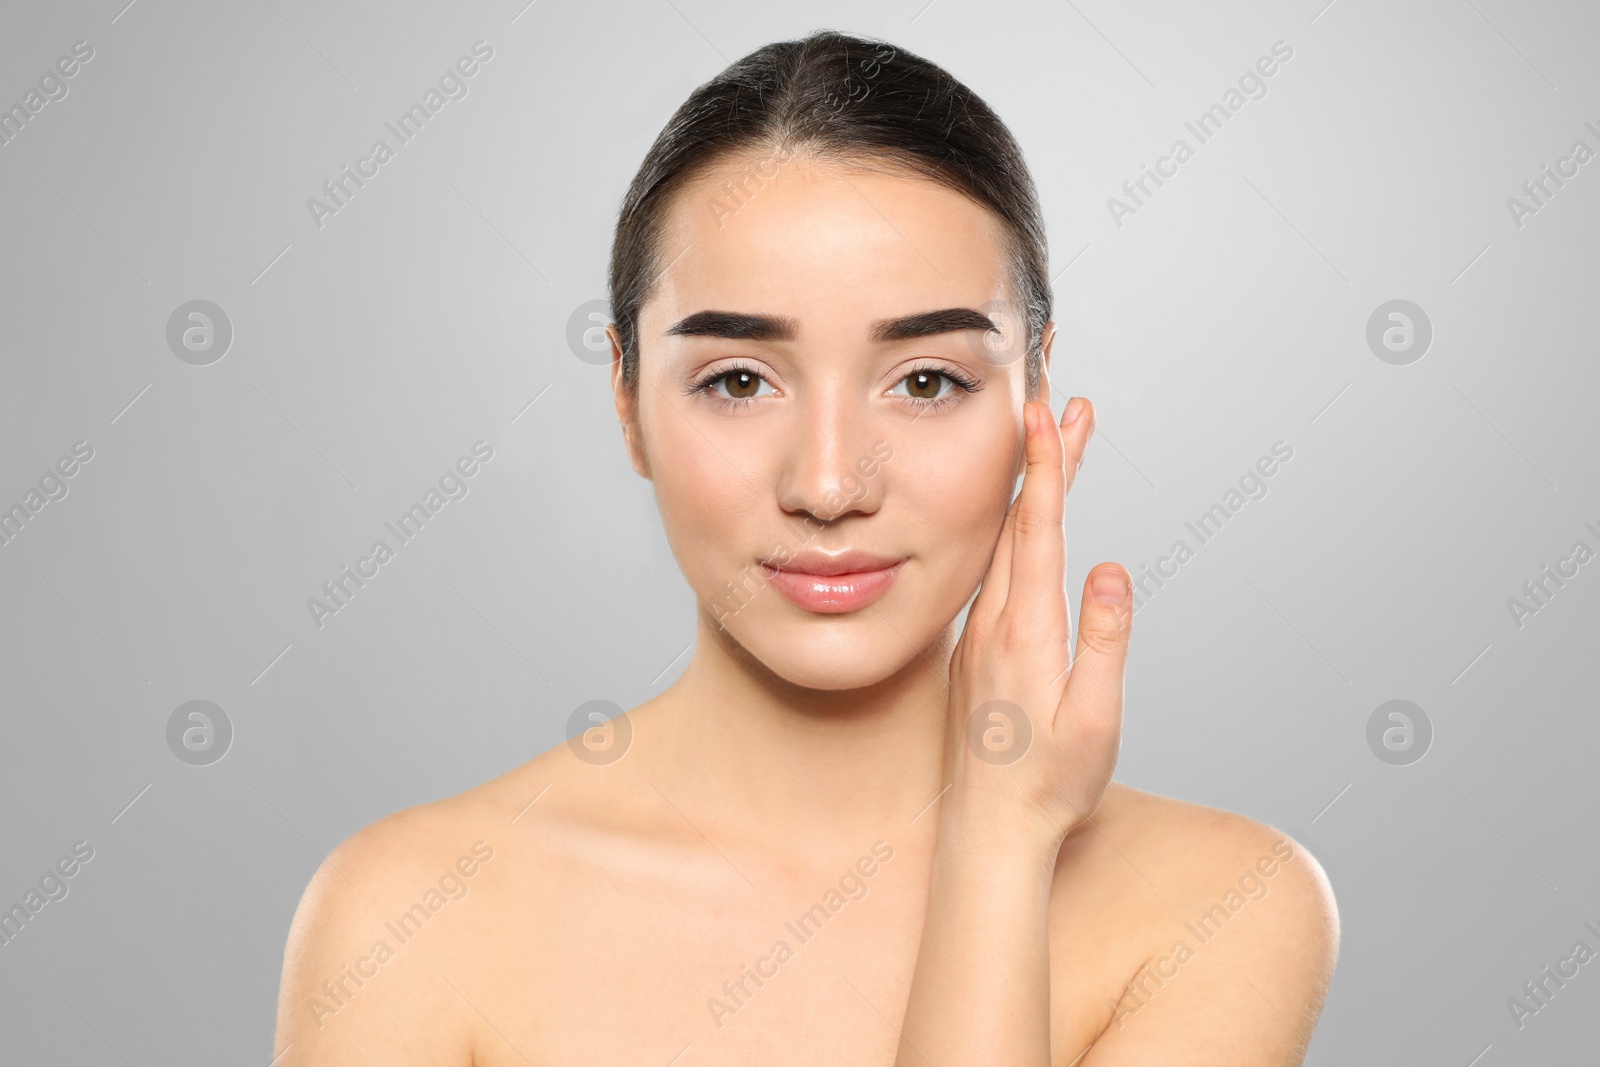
920	380
741	380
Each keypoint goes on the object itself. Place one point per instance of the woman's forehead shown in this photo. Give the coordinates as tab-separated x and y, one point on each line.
742	204
824	241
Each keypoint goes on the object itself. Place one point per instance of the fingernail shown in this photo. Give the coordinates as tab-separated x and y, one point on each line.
1110	588
1030	418
1074	409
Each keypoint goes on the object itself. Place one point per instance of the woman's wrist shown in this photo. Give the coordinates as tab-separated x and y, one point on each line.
1004	844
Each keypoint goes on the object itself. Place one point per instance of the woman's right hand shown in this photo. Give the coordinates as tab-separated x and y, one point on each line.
1033	728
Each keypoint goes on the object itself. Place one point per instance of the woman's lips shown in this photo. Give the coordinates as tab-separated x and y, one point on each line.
832	593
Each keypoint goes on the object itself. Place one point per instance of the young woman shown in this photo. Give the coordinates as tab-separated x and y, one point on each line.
848	833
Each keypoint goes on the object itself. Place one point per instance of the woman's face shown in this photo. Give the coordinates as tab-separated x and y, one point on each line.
792	405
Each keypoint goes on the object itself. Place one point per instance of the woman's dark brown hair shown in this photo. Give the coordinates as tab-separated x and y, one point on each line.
834	96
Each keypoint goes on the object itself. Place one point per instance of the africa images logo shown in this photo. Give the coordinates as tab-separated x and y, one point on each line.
452	86
1209	123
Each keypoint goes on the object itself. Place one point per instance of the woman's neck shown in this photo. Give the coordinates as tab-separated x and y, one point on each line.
829	766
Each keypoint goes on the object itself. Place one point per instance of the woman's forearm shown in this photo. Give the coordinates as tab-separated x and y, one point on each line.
980	992
1032	734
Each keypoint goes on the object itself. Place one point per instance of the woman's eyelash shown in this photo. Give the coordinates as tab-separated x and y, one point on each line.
704	384
961	379
955	374
964	383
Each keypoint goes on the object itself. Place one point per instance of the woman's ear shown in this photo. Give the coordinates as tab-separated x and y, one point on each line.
1044	370
1045	341
627	408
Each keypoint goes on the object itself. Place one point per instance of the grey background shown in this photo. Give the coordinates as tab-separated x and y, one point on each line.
1229	313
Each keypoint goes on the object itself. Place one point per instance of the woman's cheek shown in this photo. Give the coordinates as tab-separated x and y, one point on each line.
709	509
962	492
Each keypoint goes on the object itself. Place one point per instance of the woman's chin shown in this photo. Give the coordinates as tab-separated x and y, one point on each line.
850	652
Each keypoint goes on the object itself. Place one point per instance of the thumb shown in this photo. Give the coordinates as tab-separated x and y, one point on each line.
1093	696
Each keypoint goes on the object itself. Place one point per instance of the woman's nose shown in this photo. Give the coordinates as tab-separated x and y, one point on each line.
832	467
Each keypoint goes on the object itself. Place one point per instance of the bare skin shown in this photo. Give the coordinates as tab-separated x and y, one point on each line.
653	908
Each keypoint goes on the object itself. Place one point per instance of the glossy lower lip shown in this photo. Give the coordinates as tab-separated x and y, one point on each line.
833	594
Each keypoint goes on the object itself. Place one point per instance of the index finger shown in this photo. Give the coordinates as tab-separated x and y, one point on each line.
1077	422
1034	593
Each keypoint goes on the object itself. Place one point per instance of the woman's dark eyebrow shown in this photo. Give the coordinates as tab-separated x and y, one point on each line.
928	323
736	325
740	326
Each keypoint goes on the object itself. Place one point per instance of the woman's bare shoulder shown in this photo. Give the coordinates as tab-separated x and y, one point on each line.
397	846
355	970
1168	876
1178	853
